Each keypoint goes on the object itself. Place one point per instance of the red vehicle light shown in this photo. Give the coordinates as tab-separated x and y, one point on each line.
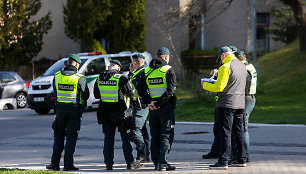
94	53
89	54
26	84
52	99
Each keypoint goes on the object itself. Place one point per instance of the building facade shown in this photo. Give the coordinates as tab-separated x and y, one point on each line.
207	24
56	44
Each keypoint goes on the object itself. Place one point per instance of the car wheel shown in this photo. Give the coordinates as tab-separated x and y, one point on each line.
42	111
21	100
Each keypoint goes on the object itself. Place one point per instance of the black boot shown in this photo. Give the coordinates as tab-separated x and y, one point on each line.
70	168
53	166
109	167
210	156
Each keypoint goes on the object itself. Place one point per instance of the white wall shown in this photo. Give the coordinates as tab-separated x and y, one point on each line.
56	44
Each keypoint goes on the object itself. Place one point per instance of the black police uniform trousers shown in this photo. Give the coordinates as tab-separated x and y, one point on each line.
230	121
215	146
161	123
67	124
109	125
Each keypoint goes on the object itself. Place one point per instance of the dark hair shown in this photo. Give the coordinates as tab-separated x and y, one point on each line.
241	57
71	61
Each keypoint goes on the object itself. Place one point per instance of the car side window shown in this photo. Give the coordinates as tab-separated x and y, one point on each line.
125	61
6	78
96	66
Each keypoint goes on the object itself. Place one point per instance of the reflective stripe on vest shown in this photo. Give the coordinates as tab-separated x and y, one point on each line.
156	80
132	77
66	87
251	69
109	89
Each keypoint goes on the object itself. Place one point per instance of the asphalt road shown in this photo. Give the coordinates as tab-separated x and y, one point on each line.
26	140
21	122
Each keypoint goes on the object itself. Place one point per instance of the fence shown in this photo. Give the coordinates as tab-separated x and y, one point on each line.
27	72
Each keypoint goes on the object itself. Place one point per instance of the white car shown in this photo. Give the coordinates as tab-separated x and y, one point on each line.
41	96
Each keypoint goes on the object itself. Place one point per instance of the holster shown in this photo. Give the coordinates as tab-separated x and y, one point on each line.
101	117
136	102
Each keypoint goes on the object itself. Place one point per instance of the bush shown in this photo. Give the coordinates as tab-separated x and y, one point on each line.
192	83
95	46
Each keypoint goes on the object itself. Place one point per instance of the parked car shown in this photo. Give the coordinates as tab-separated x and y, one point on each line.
13	86
41	96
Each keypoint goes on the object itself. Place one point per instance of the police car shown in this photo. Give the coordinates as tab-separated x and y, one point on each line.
40	93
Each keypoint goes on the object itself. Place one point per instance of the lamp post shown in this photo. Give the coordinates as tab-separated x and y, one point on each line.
253	15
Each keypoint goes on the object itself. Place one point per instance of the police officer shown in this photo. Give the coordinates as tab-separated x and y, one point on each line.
71	92
157	89
140	111
250	100
112	88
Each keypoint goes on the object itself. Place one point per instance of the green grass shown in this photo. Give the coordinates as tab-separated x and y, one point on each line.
281	91
282	87
193	108
21	171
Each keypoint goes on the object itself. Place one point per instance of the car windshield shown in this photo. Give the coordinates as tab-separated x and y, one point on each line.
58	66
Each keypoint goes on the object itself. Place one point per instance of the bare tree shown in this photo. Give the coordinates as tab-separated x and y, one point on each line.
170	21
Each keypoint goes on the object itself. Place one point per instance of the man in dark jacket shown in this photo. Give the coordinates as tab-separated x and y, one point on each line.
250	100
112	88
140	111
71	91
157	89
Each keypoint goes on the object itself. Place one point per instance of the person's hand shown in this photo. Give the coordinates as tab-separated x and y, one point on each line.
202	82
152	106
213	71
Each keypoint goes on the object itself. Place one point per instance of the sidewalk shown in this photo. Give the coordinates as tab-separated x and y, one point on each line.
274	149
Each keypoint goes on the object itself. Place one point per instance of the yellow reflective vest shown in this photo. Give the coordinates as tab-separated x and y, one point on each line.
66	87
252	71
156	80
109	89
132	77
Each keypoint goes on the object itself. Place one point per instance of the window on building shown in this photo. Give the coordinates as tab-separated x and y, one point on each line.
195	32
262	37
